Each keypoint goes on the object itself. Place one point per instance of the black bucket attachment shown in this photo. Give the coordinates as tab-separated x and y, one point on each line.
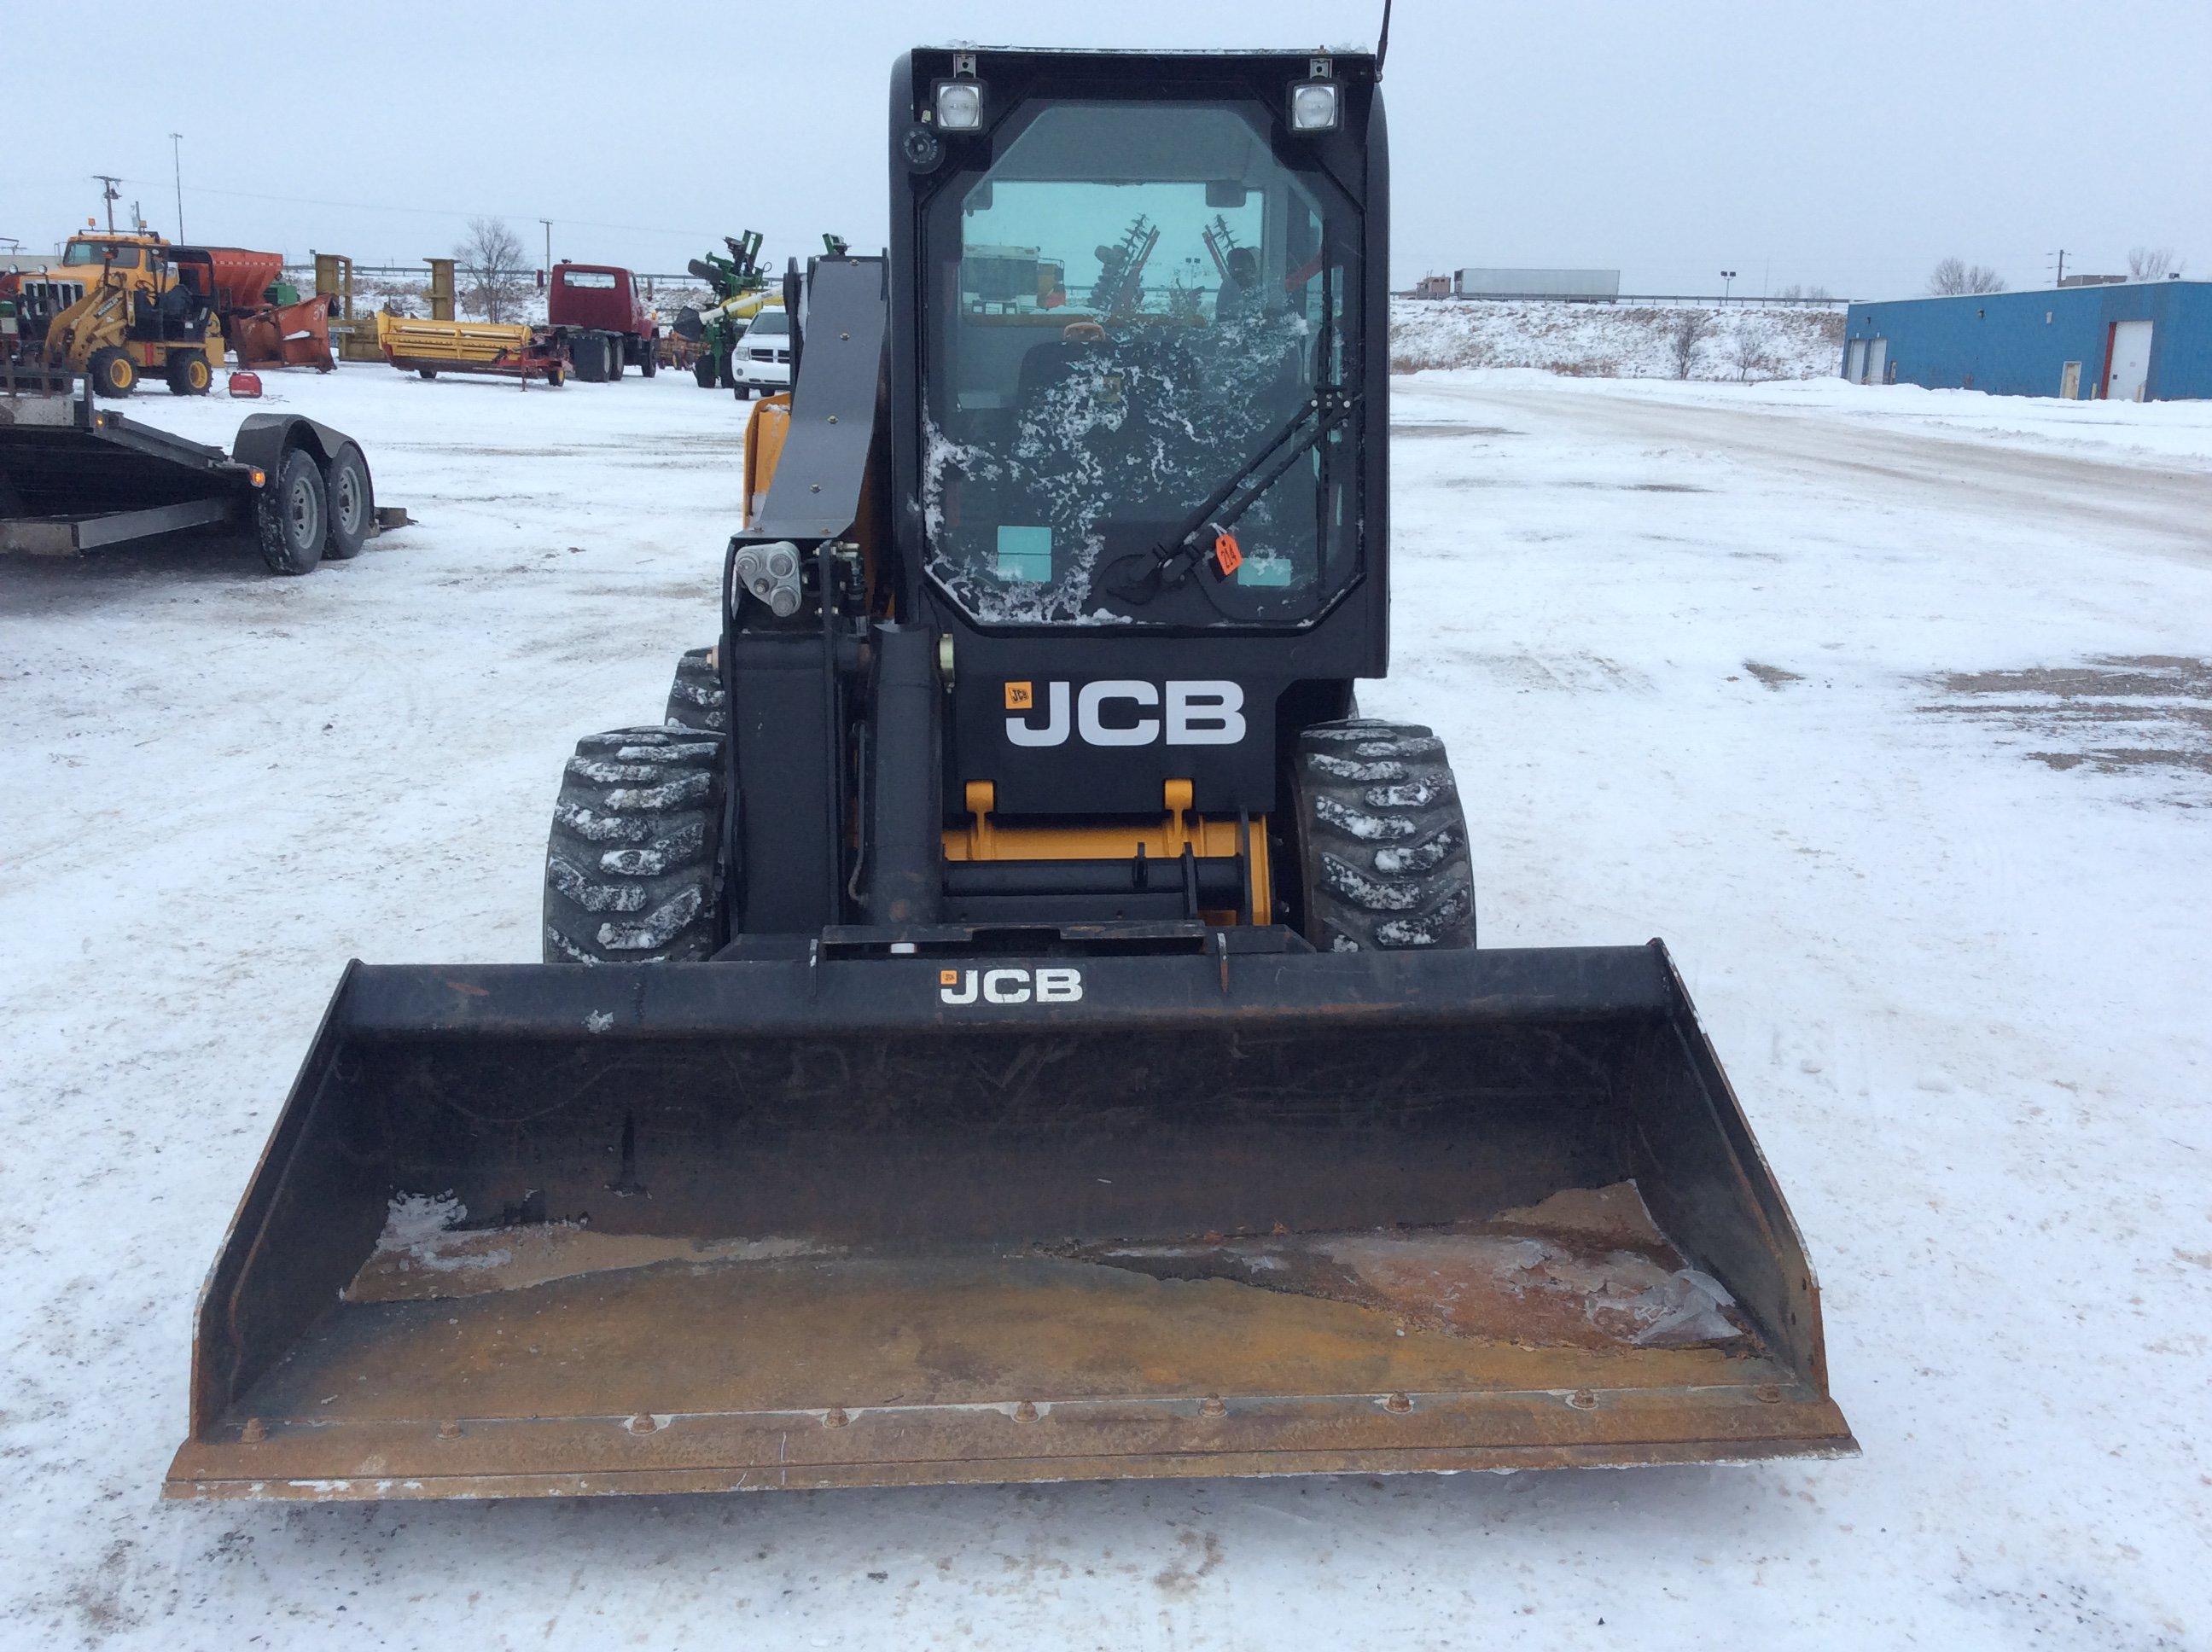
875	1219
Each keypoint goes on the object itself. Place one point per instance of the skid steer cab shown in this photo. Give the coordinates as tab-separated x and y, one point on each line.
1012	1018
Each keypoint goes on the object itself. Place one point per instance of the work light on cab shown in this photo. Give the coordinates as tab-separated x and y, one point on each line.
1314	106
959	105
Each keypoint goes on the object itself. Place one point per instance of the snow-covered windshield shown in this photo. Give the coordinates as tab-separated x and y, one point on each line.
1123	313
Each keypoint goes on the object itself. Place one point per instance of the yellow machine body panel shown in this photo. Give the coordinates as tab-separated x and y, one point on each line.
480	341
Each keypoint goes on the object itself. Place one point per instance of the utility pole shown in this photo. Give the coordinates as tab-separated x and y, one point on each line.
2062	266
548	223
110	194
177	169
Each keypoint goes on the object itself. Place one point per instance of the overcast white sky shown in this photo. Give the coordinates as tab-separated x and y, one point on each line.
1848	144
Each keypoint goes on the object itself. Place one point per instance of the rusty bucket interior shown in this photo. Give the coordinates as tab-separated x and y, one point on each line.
551	1263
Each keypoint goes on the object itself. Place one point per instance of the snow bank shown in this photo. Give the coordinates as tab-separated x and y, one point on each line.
1611	341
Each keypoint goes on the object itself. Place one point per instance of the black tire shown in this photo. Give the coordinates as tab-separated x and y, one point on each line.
428	373
291	515
741	390
1380	851
702	370
648	358
112	371
614	357
695	699
188	371
351	497
631	868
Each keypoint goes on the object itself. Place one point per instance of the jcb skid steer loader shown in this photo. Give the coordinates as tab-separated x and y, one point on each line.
1017	1023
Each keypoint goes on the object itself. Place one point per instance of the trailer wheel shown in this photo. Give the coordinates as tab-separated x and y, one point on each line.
695	698
188	373
1380	851
557	375
290	515
112	371
632	867
428	373
351	497
703	371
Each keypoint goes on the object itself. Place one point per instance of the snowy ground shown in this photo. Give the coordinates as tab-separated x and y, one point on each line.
1890	711
1739	343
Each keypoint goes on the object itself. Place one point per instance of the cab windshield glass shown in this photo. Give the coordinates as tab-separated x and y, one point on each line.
1133	307
768	322
122	257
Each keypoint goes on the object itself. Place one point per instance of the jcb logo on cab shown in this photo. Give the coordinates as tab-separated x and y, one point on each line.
1127	712
1010	985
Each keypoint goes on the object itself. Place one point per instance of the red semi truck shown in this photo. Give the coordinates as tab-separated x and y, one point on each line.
595	310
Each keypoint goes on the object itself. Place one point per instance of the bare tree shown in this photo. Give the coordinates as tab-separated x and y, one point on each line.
1688	330
2152	263
491	262
1954	276
1748	354
1815	294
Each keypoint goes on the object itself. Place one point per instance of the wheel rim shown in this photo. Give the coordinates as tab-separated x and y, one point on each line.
349	500
302	502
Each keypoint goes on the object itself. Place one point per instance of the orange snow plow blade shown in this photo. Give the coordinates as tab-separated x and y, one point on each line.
767	1223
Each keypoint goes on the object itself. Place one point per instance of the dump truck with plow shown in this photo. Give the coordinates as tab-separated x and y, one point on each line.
1027	1024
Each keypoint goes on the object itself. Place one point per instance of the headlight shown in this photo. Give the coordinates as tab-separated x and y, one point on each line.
959	106
1313	106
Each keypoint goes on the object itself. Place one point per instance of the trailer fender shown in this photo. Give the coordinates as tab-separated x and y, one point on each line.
264	438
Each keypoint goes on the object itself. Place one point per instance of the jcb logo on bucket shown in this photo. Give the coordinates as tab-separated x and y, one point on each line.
1127	712
1010	985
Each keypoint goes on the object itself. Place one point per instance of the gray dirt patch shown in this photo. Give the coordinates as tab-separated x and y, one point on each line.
2114	713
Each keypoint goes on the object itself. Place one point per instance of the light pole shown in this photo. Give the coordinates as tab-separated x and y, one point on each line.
177	170
1727	280
548	223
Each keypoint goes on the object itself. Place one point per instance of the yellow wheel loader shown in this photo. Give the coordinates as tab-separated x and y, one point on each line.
115	310
1016	1020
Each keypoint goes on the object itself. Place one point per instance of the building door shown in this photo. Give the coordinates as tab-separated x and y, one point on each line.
2129	375
1877	361
1854	362
2069	382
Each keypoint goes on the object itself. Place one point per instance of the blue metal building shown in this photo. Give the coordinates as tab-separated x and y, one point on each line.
2137	341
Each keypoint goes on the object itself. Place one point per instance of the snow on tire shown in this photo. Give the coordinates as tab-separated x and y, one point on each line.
1383	845
695	699
631	869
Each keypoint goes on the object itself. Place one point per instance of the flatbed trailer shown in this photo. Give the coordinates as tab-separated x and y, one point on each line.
75	479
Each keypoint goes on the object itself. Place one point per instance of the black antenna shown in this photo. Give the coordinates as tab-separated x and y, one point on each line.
1382	46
